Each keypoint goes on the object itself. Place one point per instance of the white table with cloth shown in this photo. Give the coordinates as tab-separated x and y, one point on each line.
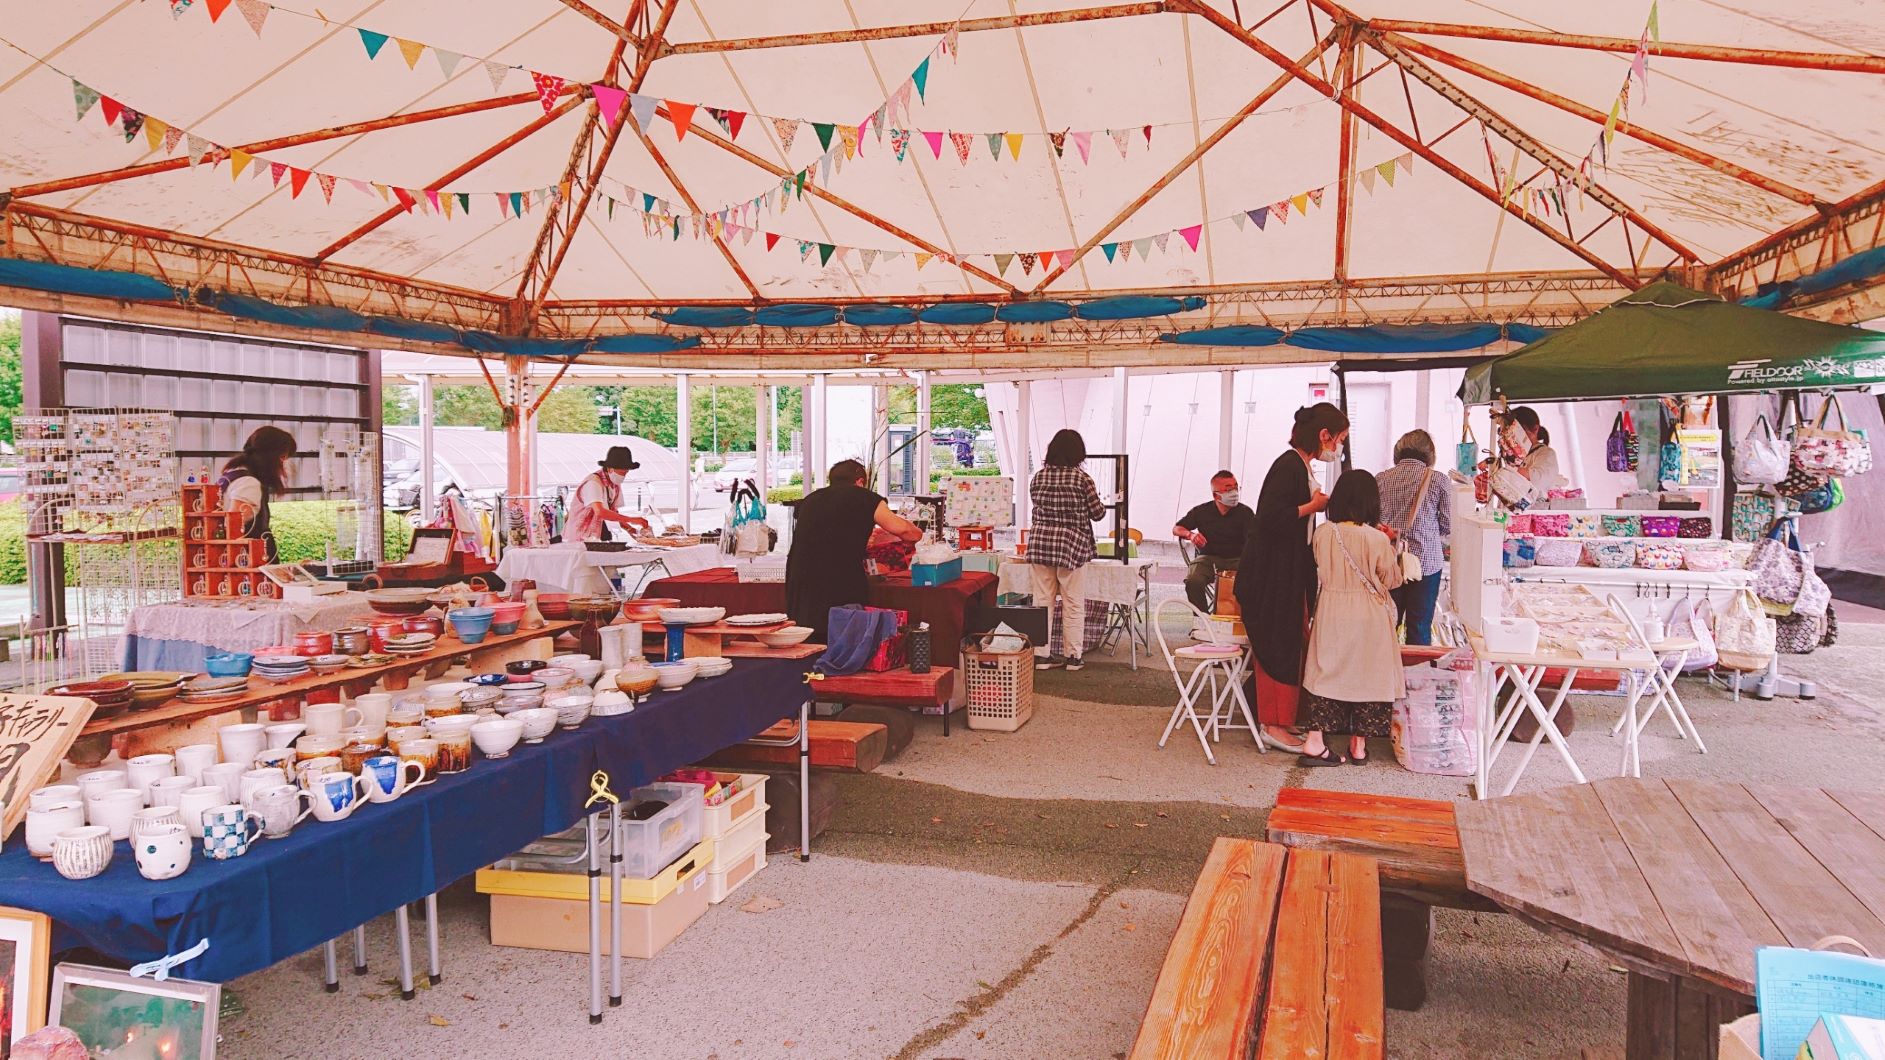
1118	598
571	568
179	636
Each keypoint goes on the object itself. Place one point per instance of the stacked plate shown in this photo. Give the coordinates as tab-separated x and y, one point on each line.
280	667
150	688
711	665
327	664
213	689
768	619
411	643
111	697
692	616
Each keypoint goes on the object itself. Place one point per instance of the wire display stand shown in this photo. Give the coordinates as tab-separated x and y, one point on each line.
530	520
350	475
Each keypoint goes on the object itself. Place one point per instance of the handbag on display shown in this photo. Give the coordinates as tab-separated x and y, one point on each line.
1466	453
1705	558
1750	515
1513	489
1695	527
1779	566
1558	552
1586	524
1823	499
1610	555
1662	525
1689	619
1835	452
1623	526
1669	457
1617	447
1744	635
1815	595
1797	634
1659	555
1763	457
1551	524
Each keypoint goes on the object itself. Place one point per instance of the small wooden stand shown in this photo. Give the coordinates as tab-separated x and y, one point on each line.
975	538
718	638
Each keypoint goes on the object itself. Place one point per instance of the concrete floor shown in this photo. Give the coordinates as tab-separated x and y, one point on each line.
1012	895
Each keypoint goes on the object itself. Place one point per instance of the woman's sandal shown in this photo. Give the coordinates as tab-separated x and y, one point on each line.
1328	757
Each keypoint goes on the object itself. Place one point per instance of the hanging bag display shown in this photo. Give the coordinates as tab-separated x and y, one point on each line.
1466	453
1823	498
1779	566
1763	457
1797	634
1744	635
1831	451
1750	515
1617	446
1669	457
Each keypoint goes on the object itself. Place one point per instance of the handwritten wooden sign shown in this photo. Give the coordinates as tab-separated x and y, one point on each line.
35	734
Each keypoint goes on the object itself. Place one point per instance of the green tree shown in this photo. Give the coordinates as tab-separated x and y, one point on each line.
568	409
728	412
11	396
950	405
399	405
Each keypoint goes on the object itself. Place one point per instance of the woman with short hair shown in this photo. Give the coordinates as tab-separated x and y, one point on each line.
1415	502
1352	669
1060	543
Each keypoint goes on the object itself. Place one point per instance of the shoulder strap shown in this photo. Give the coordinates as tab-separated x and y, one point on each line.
1420	497
1373	590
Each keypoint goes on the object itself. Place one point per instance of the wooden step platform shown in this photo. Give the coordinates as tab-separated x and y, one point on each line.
852	746
893	688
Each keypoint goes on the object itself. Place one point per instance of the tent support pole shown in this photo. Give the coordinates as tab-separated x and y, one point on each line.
519	452
684	447
880	435
1858	64
762	463
1347	67
924	441
428	489
924	29
1024	451
1226	402
815	436
602	20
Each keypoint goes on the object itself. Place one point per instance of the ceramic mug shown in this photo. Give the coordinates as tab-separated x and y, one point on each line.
373	708
327	719
336	795
306	773
81	853
454	750
279	808
282	758
318	745
194	758
228	830
191	806
162	851
398	736
53	795
44	823
140	771
167	791
241	743
255	780
226	776
386	777
113	809
146	819
425	752
101	780
284	733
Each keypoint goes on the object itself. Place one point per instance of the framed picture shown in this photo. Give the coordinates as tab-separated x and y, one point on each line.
25	949
110	1010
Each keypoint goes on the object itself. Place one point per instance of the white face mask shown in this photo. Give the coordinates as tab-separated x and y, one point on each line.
1331	455
1228	498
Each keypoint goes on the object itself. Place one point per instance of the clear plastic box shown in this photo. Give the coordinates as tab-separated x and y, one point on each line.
651	845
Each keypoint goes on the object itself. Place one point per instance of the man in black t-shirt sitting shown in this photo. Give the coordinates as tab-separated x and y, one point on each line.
1216	530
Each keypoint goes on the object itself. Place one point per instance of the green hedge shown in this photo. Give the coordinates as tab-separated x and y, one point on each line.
302	530
782	494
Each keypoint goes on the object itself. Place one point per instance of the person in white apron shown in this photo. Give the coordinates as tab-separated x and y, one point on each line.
598	500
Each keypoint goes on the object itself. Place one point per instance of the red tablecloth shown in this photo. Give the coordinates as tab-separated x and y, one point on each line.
942	606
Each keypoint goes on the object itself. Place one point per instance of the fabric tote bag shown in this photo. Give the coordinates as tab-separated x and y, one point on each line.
1762	457
1779	566
1620	444
1836	451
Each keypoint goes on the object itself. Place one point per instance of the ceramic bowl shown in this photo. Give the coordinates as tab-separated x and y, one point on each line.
504	629
507	612
610	703
553	606
592	608
481	699
410	601
538	722
637	680
228	664
443	689
571	709
555	677
488	680
787	637
648	608
496	737
327	664
112	697
568	657
674	675
451	723
423	624
523	668
470	623
692	616
711	665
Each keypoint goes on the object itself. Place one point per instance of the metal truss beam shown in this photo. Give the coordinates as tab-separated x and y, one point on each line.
1860	64
1850	227
922	29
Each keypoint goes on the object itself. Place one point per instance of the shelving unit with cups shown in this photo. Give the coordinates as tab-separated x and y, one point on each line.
218	562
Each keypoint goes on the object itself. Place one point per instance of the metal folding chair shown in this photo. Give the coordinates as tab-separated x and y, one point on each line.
1214	672
1660	685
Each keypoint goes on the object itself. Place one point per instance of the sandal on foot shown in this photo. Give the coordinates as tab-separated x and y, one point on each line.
1328	757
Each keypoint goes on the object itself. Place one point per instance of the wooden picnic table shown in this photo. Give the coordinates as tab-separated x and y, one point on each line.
1680	881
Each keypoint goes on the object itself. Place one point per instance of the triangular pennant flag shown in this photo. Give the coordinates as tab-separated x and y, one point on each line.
1059	140
517	203
1111	250
1405	162
682	115
1066	258
805	250
840	252
360	186
1027	263
1161	240
448	61
823	129
847	135
1654	28
446	202
238	161
920	78
994	145
197	148
642	109
900	142
798	181
902	99
1083	142
647	203
327	185
255	11
1142	247
464	203
170	134
297	179
84	97
1301	202
868	258
1280	211
1367	180
1238	219
962	142
1125	251
935	140
719	115
1386	169
132	121
549	86
1002	261
1190	235
178	7
432	197
1315	196
735	119
1121	139
824	167
216	8
1014	145
1258	216
609	102
788	130
1148	136
825	250
154	132
496	71
373	41
772	240
406	199
877	121
111	109
503	204
922	259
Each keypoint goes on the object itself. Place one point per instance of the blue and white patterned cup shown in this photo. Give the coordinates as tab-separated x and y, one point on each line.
228	830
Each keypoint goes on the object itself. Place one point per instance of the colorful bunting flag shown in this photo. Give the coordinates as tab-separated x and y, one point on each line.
1059	140
84	97
373	41
132	122
1027	263
1386	169
216	8
922	259
847	135
935	140
1161	240
549	86
1367	180
255	11
1280	211
170	134
448	61
1191	235
1315	196
682	115
1121	138
867	258
788	130
1142	247
496	72
197	147
1111	250
238	161
178	7
297	179
609	102
994	145
900	142
920	78
735	120
1002	261
410	50
327	185
642	109
1014	145
825	251
111	109
1083	142
154	131
962	142
1258	216
1125	252
824	130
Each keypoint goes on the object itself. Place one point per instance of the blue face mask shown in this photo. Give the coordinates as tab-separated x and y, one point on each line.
1228	498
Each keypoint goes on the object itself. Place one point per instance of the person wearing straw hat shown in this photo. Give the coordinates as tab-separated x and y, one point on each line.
598	500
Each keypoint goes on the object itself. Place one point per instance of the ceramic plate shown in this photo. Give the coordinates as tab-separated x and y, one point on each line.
771	619
693	616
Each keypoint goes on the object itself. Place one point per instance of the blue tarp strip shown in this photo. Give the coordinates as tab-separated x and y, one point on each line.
1378	338
1031	312
796	316
69	279
1234	335
879	316
708	316
416	330
1862	266
1127	307
958	313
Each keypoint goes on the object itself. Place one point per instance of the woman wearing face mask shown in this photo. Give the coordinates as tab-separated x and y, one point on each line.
254	477
599	498
1276	578
1537	461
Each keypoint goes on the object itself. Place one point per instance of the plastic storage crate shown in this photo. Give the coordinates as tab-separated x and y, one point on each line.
925	574
652	845
999	686
722	882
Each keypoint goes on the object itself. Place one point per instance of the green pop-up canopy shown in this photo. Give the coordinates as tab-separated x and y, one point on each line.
1668	339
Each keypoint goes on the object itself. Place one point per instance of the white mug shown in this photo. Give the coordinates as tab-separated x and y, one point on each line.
241	743
192	759
280	809
167	791
327	719
336	795
284	733
151	817
282	758
373	708
112	810
385	777
53	795
191	806
228	777
255	780
227	831
143	769
101	780
162	851
44	823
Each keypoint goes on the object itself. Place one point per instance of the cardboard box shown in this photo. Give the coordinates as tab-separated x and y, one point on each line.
927	574
518	877
563	925
1741	1040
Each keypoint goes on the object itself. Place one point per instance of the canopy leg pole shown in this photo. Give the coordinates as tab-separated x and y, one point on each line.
762	463
428	487
1226	397
816	436
1024	451
684	446
925	443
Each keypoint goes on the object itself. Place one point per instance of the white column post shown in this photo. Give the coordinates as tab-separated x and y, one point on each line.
1023	470
762	462
428	489
1122	395
1226	399
925	445
880	435
1423	398
816	436
684	444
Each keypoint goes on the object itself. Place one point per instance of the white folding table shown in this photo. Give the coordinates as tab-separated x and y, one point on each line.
1525	674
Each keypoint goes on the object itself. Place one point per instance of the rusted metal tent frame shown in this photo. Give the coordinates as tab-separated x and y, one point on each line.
1839	229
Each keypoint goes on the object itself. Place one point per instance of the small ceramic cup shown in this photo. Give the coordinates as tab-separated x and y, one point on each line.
228	777
192	759
387	777
162	851
285	733
146	819
336	795
112	810
425	752
196	800
314	768
228	830
44	823
81	853
53	795
256	779
280	808
142	770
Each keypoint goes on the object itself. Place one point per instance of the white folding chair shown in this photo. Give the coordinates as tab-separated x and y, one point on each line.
1659	683
1214	672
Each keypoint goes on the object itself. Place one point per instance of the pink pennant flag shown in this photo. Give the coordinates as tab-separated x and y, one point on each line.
172	137
1316	196
1191	235
1121	138
1083	142
1161	240
962	141
609	100
788	130
432	197
549	86
275	171
935	140
1280	211
360	186
1066	258
496	72
326	181
1367	180
903	99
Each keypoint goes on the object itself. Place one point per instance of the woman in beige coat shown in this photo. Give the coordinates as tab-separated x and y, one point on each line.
1352	672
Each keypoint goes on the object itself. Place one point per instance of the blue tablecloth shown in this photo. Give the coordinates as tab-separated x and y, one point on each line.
289	895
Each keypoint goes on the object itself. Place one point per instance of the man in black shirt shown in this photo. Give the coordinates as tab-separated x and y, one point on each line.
1216	530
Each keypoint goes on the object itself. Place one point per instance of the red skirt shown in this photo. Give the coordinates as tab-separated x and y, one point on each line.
1276	701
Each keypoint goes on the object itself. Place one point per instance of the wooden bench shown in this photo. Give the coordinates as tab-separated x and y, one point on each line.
893	688
851	746
1279	950
1416	843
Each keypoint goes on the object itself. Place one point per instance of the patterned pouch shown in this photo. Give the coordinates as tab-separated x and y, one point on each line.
1559	552
1695	527
1518	523
1553	524
1705	558
1659	556
1586	524
1750	516
1623	526
1661	526
1611	555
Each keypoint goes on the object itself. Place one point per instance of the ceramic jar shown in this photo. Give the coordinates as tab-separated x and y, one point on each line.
81	853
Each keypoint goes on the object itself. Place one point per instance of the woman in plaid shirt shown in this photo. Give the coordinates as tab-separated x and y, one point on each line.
1060	543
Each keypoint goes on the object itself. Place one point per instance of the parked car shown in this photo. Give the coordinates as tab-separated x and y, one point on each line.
11	483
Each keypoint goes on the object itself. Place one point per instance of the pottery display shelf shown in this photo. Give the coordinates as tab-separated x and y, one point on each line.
719	638
491	653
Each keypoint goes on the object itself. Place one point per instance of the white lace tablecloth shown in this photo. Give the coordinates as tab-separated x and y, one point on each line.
1107	581
246	625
